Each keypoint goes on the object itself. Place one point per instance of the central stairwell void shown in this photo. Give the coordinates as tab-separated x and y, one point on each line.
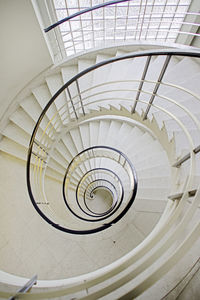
111	142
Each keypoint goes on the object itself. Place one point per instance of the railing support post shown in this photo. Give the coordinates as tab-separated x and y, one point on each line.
185	158
25	288
141	83
70	98
167	60
79	94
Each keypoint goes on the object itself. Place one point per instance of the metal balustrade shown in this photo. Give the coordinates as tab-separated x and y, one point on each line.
44	143
91	99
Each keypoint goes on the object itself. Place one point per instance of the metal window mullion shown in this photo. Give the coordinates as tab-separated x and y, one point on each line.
92	24
164	29
79	94
134	18
151	13
85	11
70	98
115	25
135	5
177	5
81	26
141	82
164	68
143	16
138	19
160	22
160	30
126	25
70	27
121	39
104	22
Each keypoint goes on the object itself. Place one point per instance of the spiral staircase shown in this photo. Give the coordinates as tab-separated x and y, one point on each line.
110	142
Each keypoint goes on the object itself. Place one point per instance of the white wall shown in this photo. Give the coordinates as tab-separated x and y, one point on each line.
23	51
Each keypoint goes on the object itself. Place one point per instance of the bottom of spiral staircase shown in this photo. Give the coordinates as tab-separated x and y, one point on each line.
29	245
55	255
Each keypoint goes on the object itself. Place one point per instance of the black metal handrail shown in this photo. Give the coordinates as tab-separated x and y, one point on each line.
101	64
147	54
106	214
116	206
92	195
83	12
97	171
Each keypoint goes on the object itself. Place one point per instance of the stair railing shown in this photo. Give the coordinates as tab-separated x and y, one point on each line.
164	235
75	190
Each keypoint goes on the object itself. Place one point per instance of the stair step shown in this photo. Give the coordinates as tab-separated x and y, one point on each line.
69	143
11	147
153	182
43	96
182	71
152	160
152	171
62	149
84	132
135	135
52	173
21	119
104	128
152	193
147	205
54	83
94	132
53	164
76	137
85	82
15	133
59	159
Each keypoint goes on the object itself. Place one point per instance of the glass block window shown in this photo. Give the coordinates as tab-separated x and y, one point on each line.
137	20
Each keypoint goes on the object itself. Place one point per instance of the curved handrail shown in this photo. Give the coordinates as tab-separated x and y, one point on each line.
173	218
96	66
97	170
91	195
132	90
84	11
157	52
92	170
106	62
130	202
